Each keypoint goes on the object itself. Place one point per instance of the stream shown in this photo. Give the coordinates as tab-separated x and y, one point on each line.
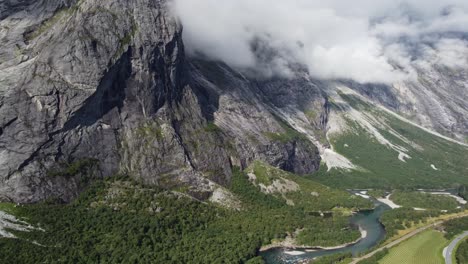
366	220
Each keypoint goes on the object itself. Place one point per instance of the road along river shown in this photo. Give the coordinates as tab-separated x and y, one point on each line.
450	250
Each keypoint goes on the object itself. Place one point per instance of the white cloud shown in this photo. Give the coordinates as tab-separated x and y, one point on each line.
363	40
448	52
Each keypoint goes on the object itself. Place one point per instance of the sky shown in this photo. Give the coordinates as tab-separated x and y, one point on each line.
368	41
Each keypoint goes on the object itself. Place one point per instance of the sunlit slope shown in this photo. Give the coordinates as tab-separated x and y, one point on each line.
388	151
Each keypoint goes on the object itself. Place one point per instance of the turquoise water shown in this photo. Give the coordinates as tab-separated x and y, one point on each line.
367	220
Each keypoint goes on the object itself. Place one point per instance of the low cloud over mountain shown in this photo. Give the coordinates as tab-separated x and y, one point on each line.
363	40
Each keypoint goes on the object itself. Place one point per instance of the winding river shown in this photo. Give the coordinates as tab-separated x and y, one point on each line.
367	221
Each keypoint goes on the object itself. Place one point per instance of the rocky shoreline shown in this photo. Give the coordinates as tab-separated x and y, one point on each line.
290	243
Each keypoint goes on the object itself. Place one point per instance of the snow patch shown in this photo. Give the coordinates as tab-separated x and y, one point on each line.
434	167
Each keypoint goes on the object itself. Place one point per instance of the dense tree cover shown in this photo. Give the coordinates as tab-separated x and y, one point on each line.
256	260
424	200
119	221
463	191
377	193
462	253
311	196
403	218
86	232
327	234
317	231
455	227
333	259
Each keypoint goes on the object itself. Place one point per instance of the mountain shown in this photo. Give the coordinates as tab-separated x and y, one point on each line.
436	100
92	89
117	146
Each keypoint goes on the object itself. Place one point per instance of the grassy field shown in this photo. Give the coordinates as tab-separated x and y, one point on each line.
425	248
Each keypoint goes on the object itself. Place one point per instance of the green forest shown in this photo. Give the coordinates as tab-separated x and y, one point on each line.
120	221
403	218
462	253
455	227
424	200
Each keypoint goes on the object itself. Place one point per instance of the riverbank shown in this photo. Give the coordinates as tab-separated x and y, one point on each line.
397	240
290	243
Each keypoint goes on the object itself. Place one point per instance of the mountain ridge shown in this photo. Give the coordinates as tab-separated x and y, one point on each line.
89	90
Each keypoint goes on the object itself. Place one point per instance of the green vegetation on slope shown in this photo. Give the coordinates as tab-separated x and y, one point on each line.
120	221
380	166
424	248
288	135
8	208
424	200
377	193
310	196
82	166
463	191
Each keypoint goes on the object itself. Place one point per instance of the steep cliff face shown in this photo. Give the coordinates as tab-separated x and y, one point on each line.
89	89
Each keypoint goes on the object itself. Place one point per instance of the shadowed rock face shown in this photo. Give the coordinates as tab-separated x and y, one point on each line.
90	88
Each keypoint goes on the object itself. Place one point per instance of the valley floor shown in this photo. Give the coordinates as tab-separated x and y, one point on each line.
425	248
421	245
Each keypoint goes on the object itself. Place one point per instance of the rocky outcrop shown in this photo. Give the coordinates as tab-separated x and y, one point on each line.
89	89
436	100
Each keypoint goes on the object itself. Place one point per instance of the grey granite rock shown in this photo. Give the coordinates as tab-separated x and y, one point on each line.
437	100
89	89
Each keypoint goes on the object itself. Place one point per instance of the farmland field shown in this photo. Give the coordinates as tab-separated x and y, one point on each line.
425	248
